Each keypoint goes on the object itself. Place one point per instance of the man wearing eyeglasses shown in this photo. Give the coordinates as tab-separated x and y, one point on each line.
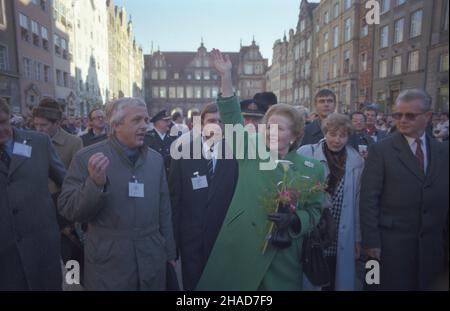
404	199
97	128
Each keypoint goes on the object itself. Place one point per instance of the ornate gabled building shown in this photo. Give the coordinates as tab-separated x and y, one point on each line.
252	68
185	81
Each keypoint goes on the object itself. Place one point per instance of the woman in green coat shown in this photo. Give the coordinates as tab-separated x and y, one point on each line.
242	257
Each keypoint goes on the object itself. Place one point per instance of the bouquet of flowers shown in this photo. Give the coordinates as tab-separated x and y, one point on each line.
287	195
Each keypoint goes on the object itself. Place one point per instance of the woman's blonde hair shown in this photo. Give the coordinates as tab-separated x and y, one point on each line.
295	115
337	121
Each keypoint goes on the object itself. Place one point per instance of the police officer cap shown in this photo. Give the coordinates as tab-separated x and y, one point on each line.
162	115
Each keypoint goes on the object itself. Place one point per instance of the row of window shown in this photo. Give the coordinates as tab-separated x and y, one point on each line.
302	49
386	5
399	25
413	64
326	14
39	34
334	66
34	70
182	92
40	37
161	74
302	93
347	35
198	62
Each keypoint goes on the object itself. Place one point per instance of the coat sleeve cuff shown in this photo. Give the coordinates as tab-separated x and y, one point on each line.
304	219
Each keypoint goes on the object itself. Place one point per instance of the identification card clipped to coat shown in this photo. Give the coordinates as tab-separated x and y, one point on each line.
23	150
199	182
135	189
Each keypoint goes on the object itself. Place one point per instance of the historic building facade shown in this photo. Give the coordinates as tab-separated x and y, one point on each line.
185	81
336	51
437	67
126	58
34	52
401	43
303	56
9	71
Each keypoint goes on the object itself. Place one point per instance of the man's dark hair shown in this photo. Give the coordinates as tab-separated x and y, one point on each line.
92	111
325	93
209	108
358	113
371	108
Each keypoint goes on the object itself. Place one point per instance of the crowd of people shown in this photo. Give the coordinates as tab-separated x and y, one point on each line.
106	191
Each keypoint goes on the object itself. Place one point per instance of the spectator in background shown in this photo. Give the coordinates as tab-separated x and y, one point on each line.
440	131
97	127
47	119
177	127
190	122
371	122
159	138
390	125
359	140
325	104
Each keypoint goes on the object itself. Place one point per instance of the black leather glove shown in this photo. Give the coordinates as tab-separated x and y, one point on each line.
284	221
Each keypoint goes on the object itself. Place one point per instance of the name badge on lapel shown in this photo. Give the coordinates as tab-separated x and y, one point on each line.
199	182
22	149
135	189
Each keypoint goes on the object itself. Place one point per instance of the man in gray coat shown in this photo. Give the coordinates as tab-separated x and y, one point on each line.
119	188
29	233
404	199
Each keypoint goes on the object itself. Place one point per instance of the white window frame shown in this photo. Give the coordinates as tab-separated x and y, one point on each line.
398	67
384	37
416	67
416	25
348	29
398	33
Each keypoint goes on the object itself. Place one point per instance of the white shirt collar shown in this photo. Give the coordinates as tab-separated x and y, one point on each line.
207	153
160	134
412	140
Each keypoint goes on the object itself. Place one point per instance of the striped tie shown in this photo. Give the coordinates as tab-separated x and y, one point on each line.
419	154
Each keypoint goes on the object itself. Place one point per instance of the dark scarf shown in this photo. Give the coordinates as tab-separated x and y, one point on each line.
336	164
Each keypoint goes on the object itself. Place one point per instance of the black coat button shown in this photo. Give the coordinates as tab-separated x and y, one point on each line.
15	211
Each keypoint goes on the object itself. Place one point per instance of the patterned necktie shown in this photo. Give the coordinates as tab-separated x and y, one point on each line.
419	154
4	156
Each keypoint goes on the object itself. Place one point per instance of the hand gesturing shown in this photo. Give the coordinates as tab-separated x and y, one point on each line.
221	63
